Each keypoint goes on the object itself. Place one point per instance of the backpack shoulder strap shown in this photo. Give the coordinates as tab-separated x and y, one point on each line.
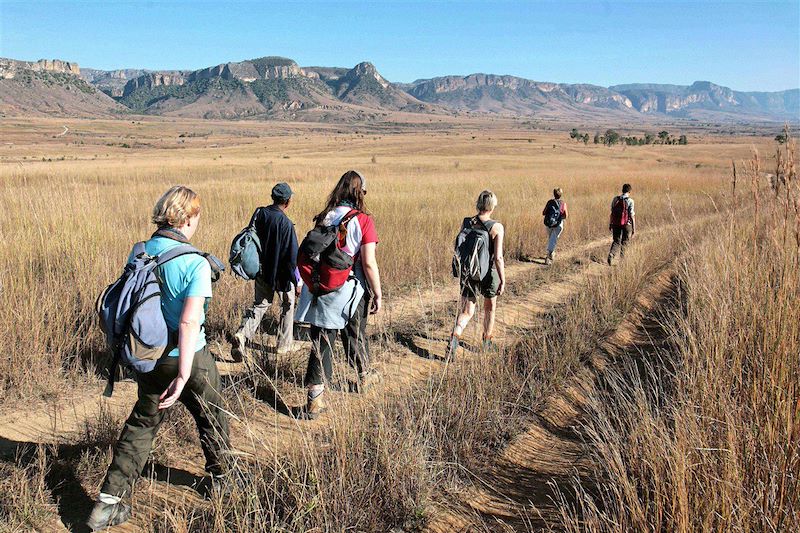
353	213
185	249
177	251
254	217
139	249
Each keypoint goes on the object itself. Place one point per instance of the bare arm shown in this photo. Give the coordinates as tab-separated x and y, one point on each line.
499	261
188	331
370	264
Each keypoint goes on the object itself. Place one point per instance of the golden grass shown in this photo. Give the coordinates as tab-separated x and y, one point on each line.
67	225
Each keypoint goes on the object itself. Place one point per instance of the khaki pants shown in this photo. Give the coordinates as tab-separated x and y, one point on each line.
264	295
200	396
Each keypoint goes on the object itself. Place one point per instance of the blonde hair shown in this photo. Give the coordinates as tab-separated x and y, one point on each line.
487	201
557	193
176	207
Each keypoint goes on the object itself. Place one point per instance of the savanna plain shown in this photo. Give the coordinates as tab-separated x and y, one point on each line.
660	394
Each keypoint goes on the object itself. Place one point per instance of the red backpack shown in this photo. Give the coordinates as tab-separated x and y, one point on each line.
323	265
619	212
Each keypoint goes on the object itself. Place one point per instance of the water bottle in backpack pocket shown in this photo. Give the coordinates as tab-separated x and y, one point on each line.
130	311
472	251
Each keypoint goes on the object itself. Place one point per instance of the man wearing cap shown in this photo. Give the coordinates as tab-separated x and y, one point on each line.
278	274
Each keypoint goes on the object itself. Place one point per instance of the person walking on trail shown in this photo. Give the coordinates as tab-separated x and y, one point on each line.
554	213
278	274
342	286
185	371
622	223
478	263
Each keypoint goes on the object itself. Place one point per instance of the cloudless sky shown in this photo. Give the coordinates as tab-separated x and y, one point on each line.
742	45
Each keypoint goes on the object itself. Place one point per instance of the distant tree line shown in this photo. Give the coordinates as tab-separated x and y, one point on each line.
612	137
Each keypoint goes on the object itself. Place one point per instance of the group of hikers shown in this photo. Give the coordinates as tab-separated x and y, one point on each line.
154	315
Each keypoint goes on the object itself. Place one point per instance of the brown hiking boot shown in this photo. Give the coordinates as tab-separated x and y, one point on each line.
315	407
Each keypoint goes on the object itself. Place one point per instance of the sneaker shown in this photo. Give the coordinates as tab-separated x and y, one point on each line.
452	348
315	407
238	350
105	515
366	380
293	347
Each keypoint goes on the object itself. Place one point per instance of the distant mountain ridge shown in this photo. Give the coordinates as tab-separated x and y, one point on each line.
277	87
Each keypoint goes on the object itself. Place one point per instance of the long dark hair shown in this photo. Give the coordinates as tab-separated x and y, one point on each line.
349	190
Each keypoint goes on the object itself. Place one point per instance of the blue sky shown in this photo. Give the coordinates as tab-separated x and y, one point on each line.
743	45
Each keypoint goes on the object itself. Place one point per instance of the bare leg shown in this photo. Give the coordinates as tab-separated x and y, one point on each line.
466	314
489	307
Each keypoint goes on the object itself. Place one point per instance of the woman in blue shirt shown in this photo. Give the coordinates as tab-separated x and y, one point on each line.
186	372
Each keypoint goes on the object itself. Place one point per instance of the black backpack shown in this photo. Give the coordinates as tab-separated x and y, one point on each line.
552	213
472	253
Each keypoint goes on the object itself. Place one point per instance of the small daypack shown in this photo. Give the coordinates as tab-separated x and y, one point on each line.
619	212
323	265
552	213
245	254
130	311
472	251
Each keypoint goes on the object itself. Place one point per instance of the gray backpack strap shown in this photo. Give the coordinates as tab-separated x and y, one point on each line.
185	249
176	252
489	224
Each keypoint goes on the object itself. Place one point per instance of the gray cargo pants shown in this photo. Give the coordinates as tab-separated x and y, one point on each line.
264	295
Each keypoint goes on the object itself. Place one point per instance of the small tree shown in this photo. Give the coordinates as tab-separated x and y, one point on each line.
585	138
683	140
648	138
574	133
596	138
612	137
663	136
781	138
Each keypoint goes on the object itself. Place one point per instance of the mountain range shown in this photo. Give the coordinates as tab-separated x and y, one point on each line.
278	88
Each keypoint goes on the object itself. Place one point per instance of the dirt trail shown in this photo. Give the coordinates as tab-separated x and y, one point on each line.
400	367
516	491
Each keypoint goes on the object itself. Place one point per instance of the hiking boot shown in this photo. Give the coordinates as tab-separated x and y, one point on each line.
452	348
238	350
489	345
366	380
315	407
105	515
609	259
215	485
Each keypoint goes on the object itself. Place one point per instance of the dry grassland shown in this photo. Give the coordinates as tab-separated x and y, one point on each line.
698	433
67	225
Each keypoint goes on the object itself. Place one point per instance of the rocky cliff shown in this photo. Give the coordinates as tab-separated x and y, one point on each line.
10	67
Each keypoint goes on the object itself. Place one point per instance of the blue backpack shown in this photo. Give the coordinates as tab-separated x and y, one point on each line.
245	255
130	311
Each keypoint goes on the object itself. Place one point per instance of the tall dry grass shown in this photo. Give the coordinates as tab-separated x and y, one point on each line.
66	226
715	444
